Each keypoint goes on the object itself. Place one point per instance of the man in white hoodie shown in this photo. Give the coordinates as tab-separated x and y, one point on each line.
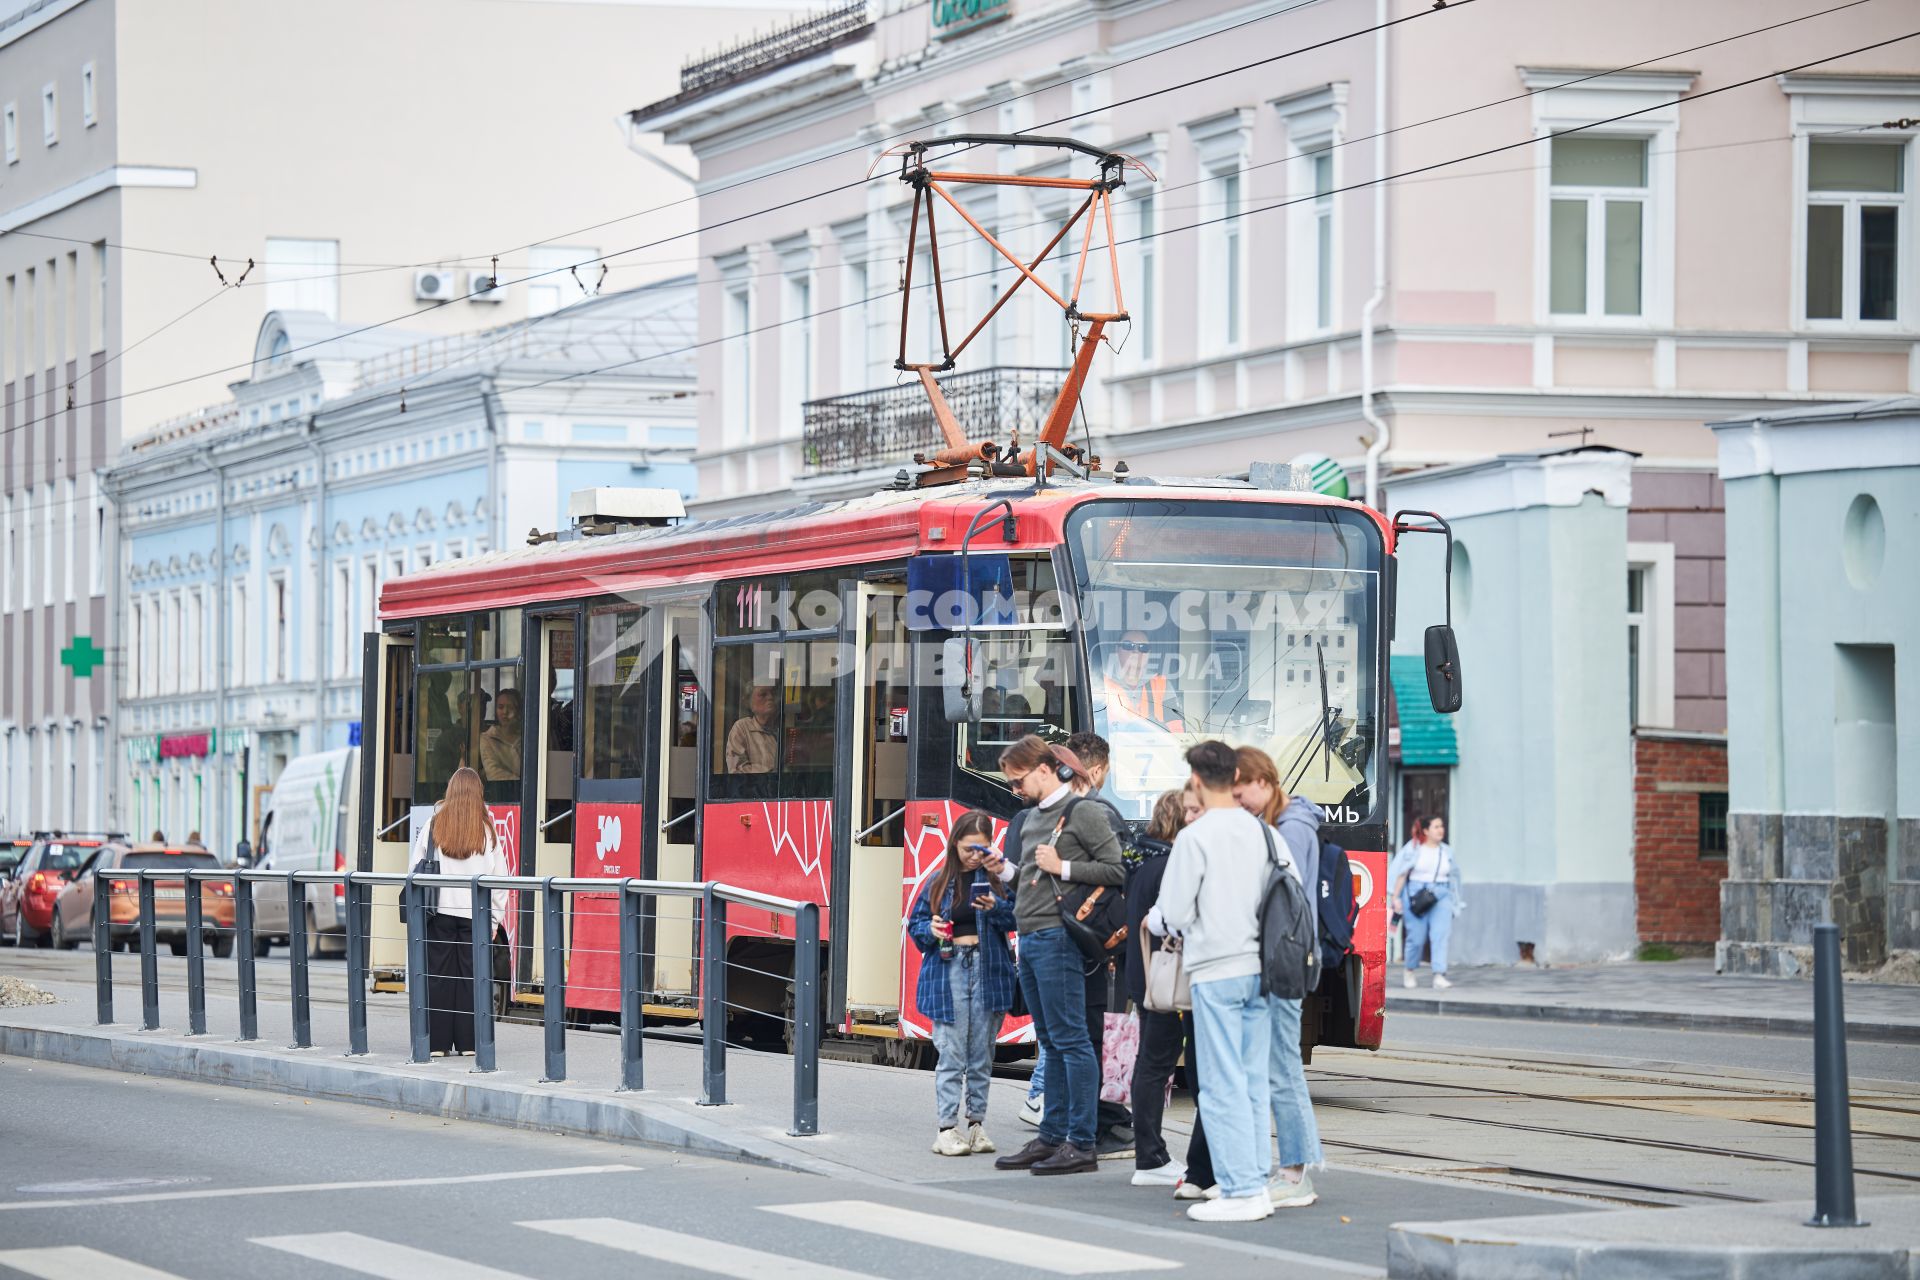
1215	880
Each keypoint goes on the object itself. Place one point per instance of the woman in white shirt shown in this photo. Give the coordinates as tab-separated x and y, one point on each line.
460	840
1425	864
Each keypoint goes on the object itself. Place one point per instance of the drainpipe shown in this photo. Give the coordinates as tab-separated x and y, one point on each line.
1381	434
489	404
322	577
218	840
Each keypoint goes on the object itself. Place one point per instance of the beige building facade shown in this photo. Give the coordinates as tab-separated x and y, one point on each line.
1708	247
370	159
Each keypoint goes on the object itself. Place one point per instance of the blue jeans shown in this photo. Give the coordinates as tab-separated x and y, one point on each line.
1437	924
1056	994
965	1044
1233	1028
1293	1120
1038	1085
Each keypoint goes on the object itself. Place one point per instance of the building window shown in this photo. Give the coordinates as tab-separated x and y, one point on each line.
1323	240
1143	290
856	356
70	508
97	323
1856	197
342	619
136	635
1713	824
193	644
47	544
1650	634
97	540
8	547
89	97
1597	226
551	270
279	630
736	359
796	349
11	127
49	113
1223	261
240	657
303	275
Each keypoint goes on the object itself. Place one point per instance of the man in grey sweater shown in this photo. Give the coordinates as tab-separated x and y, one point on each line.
1215	881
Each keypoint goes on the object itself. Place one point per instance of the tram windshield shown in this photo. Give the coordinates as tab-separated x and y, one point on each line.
1254	623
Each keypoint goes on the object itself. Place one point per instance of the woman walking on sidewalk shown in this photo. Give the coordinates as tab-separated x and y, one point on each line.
1162	1035
458	842
1426	892
960	922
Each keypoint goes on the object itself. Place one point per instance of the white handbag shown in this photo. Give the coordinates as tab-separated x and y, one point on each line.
1168	990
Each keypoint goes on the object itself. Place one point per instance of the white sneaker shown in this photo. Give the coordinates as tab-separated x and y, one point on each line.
948	1142
1030	1110
1408	981
1184	1190
1169	1174
1440	982
978	1142
1233	1209
1292	1195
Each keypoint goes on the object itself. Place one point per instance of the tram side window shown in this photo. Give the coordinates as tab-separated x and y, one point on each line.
683	760
616	695
447	732
557	803
501	733
1027	679
398	737
496	636
806	765
749	721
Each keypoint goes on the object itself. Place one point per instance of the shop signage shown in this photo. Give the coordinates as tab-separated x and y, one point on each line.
957	17
186	744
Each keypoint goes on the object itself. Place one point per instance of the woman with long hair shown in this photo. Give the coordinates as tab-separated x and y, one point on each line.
960	921
1061	841
458	841
1162	1035
1425	863
1295	821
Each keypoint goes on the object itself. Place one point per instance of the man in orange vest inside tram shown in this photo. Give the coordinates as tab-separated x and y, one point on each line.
1131	689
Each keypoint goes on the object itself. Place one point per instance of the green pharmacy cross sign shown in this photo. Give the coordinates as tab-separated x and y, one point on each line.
82	656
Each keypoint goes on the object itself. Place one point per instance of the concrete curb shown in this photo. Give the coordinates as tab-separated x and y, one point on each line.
1893	1032
486	1099
1733	1242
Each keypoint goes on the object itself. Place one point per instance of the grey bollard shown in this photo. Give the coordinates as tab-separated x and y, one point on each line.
1832	1122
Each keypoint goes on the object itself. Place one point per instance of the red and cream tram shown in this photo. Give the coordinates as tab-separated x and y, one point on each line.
802	702
777	702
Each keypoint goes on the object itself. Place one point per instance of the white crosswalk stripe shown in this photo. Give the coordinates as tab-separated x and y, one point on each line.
1003	1244
691	1251
371	1256
76	1262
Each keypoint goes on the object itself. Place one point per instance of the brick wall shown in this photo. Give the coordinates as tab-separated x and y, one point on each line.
1687	509
1676	891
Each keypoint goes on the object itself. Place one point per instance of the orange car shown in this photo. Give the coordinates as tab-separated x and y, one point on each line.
73	909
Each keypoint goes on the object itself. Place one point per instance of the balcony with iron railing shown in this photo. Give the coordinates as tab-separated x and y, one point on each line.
889	425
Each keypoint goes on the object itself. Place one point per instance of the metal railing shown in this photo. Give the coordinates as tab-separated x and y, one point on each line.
785	44
357	907
892	424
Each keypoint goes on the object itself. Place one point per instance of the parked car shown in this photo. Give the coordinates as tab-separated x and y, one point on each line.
26	896
11	851
308	826
73	909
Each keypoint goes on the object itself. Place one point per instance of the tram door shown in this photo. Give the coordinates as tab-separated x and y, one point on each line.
877	801
551	702
676	786
388	774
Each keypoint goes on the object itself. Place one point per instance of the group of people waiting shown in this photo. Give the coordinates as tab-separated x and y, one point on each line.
1198	877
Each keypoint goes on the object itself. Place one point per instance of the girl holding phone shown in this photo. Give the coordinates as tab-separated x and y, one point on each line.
960	921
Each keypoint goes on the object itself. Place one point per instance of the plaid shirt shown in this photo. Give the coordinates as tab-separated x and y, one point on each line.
934	994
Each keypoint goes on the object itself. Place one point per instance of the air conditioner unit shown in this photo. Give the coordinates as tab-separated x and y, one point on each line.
434	285
481	287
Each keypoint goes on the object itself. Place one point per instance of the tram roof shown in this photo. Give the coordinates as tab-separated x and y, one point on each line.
883	525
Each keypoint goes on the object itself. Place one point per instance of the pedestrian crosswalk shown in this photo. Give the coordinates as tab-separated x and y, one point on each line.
909	1232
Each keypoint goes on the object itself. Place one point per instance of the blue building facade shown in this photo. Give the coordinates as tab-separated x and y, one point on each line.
254	536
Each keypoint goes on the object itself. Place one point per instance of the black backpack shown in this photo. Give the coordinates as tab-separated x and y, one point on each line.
1337	910
1289	949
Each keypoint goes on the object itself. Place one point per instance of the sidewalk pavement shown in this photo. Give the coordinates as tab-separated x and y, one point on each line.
1678	993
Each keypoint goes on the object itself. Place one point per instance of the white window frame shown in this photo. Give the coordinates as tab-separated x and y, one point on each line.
1558	107
343	632
1656	626
1139	216
10	124
71	520
1315	122
240	657
193	641
855	355
50	114
8	546
136	637
89	96
798	348
1222	150
1826	105
48	544
736	354
279	604
96	538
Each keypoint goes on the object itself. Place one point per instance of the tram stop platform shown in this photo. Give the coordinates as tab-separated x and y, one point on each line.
1718	1242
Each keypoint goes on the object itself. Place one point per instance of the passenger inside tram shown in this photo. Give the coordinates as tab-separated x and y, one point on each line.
500	744
753	744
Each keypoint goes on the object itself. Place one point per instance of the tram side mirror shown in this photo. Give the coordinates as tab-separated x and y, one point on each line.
1443	670
960	683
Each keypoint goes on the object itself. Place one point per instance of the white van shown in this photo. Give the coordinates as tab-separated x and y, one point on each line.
311	823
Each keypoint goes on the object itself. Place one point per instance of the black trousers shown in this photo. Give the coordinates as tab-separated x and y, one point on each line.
1162	1037
449	984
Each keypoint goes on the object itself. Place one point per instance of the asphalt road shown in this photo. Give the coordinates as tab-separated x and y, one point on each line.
194	1180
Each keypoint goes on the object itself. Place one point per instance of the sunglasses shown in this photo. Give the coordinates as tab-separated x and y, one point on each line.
981	849
1133	646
